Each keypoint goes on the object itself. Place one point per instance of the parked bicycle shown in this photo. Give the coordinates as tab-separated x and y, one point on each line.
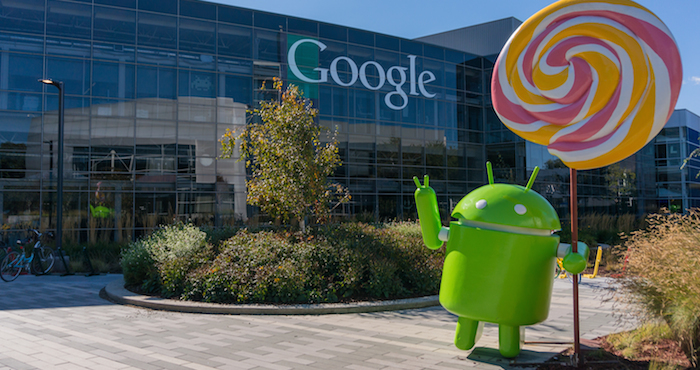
40	261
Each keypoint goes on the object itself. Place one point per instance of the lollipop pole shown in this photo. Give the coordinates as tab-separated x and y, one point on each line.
574	248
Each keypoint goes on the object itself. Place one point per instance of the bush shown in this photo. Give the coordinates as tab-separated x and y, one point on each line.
338	262
664	275
159	262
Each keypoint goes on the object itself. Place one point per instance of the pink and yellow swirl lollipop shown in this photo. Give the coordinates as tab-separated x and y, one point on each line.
594	81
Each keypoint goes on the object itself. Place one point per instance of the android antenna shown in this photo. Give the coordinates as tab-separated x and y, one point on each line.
532	179
489	170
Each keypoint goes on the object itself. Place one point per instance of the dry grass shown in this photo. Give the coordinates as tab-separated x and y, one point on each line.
663	275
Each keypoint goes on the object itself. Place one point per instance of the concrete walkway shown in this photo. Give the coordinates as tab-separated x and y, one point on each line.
53	322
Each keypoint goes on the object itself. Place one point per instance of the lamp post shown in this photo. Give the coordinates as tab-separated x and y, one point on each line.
59	180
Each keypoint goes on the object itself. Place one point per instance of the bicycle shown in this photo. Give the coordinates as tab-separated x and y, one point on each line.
41	260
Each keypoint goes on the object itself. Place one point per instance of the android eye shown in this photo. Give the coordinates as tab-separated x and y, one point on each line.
481	204
520	209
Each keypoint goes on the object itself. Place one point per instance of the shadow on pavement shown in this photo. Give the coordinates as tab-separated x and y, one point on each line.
54	291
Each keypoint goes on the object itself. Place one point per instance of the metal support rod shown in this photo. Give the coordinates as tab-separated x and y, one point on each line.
574	248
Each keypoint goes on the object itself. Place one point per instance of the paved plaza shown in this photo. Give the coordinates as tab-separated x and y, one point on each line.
53	322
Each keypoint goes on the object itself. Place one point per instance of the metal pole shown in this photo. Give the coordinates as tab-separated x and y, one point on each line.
574	248
59	180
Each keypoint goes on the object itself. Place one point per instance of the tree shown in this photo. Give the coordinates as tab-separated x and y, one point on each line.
289	165
621	182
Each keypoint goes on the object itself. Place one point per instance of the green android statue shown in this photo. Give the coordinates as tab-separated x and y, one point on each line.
500	259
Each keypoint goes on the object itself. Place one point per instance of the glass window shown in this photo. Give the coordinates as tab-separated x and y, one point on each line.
116	52
454	56
302	27
71	48
112	107
238	88
235	15
197	35
362	104
270	21
387	42
69	19
107	133
199	61
411	47
20	101
267	46
388	150
156	109
23	16
26	71
160	6
153	82
234	65
22	43
155	132
412	152
198	9
123	3
437	68
198	84
115	25
360	37
158	57
157	30
329	31
75	74
473	80
434	52
113	80
235	41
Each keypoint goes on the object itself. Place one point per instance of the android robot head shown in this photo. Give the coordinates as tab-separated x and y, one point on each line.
507	208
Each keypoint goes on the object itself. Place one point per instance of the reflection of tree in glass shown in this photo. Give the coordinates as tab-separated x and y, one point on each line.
621	182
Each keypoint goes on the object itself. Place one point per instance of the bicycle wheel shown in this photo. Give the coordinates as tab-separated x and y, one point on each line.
43	260
10	266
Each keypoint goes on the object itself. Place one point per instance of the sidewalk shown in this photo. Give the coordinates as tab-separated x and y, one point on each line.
60	322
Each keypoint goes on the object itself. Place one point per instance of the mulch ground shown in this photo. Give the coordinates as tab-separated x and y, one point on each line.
598	354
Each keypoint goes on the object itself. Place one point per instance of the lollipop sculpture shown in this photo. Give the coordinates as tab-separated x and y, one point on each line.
594	81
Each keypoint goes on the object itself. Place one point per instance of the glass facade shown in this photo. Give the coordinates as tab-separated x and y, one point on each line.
152	85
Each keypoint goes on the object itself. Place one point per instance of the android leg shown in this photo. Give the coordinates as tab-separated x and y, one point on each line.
467	333
510	340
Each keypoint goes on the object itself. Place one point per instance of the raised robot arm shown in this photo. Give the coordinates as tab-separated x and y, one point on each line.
428	213
574	263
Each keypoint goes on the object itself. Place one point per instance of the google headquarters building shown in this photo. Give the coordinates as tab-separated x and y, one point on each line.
151	85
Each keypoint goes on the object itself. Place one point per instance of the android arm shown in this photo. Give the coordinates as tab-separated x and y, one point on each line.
574	263
428	213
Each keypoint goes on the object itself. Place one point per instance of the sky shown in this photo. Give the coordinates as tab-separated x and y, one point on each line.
412	18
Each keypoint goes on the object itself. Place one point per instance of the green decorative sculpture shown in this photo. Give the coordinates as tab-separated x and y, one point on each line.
500	259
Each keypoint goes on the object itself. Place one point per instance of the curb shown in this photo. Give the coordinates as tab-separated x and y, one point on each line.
116	292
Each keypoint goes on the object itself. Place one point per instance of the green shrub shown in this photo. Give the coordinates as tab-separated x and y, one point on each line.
663	275
332	263
160	261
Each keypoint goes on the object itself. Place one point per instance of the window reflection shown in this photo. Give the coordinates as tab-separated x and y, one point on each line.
197	35
157	30
69	19
114	25
22	16
235	41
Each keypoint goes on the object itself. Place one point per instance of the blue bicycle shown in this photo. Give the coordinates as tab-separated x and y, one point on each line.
40	261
